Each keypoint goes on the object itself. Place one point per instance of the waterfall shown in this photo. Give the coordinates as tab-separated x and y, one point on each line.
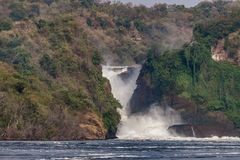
150	125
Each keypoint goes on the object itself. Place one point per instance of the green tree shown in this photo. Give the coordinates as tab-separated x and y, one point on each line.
87	3
139	24
22	63
123	22
97	58
89	22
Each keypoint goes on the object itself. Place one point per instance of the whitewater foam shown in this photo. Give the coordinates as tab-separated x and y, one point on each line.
153	124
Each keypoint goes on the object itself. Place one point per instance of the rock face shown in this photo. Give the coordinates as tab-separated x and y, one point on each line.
143	96
202	131
92	128
227	49
218	52
200	123
126	75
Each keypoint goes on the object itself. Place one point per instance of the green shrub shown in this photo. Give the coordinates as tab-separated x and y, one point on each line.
68	64
14	42
41	24
9	48
183	81
74	99
139	24
5	25
97	58
103	22
89	22
216	105
87	3
231	102
22	63
126	23
49	65
18	12
235	117
6	55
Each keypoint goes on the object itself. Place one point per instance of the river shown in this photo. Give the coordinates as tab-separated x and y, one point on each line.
122	150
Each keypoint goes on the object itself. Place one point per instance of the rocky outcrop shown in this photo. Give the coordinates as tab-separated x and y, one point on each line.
143	96
92	128
219	53
227	49
199	122
202	131
128	73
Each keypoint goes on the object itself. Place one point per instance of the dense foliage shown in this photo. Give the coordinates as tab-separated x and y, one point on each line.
51	82
191	73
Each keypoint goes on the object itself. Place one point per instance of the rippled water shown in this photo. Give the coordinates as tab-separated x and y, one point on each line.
121	149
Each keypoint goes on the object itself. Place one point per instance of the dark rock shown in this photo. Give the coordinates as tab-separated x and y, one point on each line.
203	122
203	131
143	96
125	76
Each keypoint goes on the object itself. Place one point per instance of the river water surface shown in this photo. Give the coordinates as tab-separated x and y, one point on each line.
122	150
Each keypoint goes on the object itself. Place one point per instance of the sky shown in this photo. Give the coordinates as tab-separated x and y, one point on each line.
187	3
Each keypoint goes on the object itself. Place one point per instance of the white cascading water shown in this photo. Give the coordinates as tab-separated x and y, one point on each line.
150	125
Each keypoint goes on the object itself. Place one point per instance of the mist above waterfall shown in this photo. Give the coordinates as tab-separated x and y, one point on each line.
148	125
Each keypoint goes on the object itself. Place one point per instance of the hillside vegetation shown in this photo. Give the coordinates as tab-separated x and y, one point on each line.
51	82
51	51
50	54
204	90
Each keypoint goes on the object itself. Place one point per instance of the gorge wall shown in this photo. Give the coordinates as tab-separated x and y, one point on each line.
192	81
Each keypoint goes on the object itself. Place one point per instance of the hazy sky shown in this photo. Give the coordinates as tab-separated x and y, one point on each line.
187	3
